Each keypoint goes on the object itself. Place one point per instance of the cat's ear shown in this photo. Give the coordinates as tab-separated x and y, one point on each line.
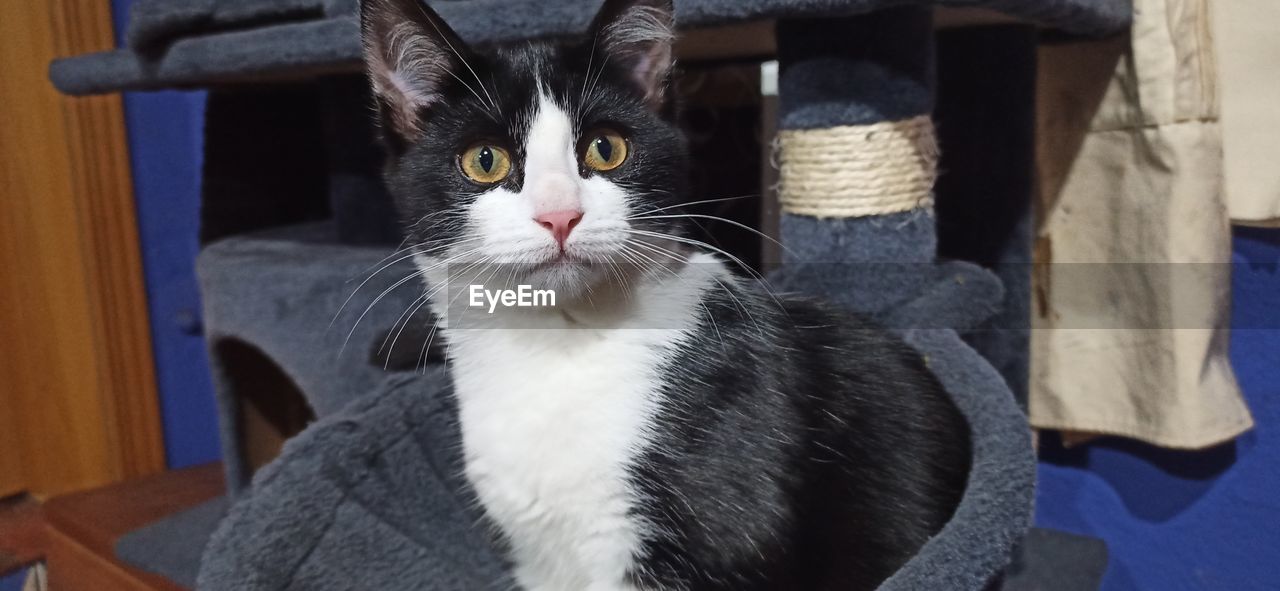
411	55
637	35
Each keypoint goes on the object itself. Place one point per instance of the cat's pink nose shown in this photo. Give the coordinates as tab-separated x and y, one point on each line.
560	223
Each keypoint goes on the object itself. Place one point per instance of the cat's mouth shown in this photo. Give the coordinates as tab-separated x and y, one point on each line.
564	266
564	259
558	259
569	273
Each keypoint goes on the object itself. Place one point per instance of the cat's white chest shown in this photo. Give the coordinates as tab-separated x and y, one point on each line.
551	422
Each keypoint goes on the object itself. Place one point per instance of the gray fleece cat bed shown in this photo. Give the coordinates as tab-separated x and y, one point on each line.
370	495
372	498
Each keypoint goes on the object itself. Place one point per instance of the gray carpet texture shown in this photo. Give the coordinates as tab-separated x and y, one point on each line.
279	311
191	43
371	497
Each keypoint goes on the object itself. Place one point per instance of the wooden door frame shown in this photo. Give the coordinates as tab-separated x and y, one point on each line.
78	397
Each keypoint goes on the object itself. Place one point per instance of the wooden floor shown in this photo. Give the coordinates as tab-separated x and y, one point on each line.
75	534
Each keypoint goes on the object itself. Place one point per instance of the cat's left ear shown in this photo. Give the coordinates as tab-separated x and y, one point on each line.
638	35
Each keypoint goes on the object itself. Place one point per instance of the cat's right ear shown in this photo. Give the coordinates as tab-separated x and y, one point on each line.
411	55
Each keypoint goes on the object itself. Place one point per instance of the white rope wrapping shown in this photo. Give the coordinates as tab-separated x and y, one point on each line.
858	170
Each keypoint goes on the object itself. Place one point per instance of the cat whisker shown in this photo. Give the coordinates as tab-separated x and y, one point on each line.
698	244
401	250
590	58
407	316
710	317
691	203
367	280
596	82
715	218
484	261
742	308
388	290
448	44
387	266
760	280
630	259
382	295
426	298
426	345
498	103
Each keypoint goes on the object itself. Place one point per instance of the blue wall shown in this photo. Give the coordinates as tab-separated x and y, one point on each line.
166	136
1190	520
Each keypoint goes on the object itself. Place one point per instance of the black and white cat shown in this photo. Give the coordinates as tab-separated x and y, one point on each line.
666	424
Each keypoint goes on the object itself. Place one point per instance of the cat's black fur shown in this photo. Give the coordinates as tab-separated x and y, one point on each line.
798	447
819	455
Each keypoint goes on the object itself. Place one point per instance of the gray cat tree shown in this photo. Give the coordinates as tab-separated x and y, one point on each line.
368	496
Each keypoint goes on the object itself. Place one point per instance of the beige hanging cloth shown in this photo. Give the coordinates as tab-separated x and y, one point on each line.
1131	286
1245	36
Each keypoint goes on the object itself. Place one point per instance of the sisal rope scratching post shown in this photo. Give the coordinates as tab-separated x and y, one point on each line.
858	170
856	151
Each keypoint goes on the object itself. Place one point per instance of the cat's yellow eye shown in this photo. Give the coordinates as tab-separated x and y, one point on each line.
485	163
605	150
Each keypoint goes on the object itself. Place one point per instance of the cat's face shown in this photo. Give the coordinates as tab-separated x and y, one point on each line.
556	160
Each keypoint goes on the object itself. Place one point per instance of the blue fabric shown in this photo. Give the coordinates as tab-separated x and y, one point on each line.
1190	520
14	581
166	160
166	136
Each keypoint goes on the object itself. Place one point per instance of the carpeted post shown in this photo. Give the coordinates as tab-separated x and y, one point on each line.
856	154
857	162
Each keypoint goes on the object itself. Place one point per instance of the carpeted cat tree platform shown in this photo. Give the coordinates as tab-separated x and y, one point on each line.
369	495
